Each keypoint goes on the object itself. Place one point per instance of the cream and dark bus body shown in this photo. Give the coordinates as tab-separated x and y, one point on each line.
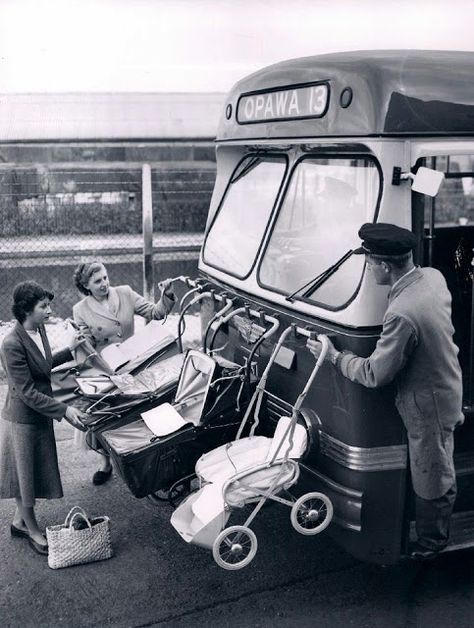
307	151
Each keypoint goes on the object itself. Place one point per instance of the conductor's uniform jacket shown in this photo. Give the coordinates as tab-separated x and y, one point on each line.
416	349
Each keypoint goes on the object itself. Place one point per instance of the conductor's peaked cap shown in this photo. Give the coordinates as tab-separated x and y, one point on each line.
383	238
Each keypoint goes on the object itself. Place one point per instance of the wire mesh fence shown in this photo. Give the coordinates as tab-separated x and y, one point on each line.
54	216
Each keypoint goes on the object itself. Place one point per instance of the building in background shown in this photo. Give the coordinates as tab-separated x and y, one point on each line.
71	184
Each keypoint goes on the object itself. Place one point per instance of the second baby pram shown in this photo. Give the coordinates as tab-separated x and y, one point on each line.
155	450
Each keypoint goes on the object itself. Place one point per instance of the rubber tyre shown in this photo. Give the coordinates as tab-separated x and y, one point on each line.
300	507
245	536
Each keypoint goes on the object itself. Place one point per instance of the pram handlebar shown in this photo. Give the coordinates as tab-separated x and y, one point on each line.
250	313
325	346
259	314
257	399
217	316
208	294
196	299
195	285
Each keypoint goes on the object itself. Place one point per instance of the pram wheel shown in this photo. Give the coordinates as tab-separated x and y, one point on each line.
180	490
311	513
235	547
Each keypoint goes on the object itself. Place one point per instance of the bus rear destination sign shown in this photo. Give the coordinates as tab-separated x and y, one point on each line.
309	101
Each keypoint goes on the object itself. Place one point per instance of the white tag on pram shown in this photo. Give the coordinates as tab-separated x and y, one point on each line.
163	420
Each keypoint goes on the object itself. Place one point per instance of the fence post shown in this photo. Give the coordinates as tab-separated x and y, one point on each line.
147	226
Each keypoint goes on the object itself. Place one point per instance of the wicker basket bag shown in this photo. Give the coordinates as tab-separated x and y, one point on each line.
73	543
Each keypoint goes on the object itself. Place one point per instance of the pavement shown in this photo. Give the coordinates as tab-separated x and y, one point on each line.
156	579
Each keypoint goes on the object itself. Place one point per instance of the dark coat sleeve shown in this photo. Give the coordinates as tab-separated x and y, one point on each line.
20	377
62	356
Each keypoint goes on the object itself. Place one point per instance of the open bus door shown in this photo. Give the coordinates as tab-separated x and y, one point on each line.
447	226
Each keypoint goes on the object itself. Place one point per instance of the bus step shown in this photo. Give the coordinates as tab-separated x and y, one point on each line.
461	533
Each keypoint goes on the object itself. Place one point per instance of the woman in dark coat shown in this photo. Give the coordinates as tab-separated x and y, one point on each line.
28	457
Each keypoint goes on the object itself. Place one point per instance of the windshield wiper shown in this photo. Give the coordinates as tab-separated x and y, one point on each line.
316	282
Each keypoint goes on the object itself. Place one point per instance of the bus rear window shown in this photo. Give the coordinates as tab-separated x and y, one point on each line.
326	202
238	228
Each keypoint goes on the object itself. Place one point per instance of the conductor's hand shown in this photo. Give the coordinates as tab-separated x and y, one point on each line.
74	416
315	346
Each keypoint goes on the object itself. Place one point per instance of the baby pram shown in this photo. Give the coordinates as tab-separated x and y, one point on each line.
249	470
107	396
155	451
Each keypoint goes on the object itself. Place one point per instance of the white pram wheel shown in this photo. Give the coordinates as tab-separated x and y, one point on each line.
235	547
311	513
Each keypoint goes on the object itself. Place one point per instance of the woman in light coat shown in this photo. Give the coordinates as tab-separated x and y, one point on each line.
107	315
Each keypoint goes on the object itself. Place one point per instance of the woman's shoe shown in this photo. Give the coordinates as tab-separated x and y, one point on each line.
101	477
38	547
14	531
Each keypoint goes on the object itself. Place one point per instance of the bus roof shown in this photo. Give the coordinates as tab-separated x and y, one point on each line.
365	93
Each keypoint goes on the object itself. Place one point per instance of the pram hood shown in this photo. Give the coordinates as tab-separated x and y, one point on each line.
194	385
191	402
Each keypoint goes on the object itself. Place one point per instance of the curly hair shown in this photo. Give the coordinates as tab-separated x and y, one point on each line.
25	297
83	273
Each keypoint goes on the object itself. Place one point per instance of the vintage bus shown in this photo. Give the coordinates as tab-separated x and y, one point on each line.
307	151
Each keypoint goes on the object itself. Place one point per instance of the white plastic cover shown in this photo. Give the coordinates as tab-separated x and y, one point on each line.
163	419
300	440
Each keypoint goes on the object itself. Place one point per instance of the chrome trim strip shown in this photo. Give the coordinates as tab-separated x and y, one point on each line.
347	501
363	458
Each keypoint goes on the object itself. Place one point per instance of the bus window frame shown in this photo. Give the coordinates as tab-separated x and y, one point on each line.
276	155
325	155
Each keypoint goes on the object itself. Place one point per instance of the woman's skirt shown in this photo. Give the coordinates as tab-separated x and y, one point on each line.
29	462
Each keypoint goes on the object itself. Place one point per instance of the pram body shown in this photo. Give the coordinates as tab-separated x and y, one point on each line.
206	397
249	470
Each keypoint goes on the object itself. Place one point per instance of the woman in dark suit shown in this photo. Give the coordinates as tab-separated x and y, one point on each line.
28	457
107	315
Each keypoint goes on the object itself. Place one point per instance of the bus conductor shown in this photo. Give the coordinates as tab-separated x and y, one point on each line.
416	351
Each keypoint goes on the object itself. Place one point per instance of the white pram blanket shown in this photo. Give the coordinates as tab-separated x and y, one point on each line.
232	458
203	515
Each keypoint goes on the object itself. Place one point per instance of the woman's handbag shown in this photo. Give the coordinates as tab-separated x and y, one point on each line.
80	539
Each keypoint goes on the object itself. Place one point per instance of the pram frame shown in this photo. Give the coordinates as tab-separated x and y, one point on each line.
182	486
235	546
